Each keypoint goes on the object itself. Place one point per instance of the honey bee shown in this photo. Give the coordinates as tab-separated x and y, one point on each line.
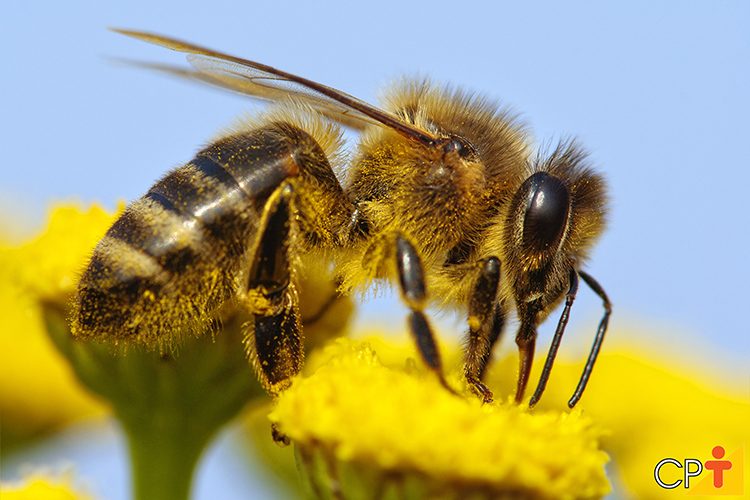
441	196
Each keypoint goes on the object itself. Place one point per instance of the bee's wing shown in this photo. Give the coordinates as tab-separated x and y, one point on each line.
266	82
272	88
333	110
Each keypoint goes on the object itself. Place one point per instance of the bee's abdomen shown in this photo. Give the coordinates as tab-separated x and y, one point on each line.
168	261
208	203
175	254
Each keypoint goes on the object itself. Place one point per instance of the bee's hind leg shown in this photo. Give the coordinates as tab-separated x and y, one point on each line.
413	291
274	334
486	319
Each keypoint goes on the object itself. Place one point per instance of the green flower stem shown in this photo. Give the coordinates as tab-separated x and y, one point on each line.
170	405
164	452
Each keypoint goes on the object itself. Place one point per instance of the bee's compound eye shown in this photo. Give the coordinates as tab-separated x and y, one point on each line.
547	208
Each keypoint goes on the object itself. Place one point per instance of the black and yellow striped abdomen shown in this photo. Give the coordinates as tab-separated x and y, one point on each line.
176	254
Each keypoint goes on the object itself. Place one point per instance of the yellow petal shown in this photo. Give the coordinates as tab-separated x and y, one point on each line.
39	487
37	388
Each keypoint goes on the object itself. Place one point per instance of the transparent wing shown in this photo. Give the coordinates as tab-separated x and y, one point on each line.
266	82
333	110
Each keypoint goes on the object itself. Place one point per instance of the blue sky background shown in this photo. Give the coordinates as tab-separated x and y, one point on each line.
658	93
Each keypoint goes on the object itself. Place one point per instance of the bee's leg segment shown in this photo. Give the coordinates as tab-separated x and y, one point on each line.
569	298
496	331
413	291
275	342
525	340
482	312
268	165
597	288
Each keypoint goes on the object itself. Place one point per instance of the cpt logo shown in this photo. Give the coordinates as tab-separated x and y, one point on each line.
722	475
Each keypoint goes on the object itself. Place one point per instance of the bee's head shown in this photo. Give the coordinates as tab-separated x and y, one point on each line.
545	203
558	211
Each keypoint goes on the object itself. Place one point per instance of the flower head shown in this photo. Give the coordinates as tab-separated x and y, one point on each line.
37	389
169	403
653	408
364	415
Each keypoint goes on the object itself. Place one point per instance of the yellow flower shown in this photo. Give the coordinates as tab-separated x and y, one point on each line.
50	263
167	402
390	426
170	404
38	391
360	414
652	408
39	487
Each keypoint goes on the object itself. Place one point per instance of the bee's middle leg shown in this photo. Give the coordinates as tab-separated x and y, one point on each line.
486	318
414	293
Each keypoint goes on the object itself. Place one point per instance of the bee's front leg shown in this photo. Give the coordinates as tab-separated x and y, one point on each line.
570	297
414	293
601	330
